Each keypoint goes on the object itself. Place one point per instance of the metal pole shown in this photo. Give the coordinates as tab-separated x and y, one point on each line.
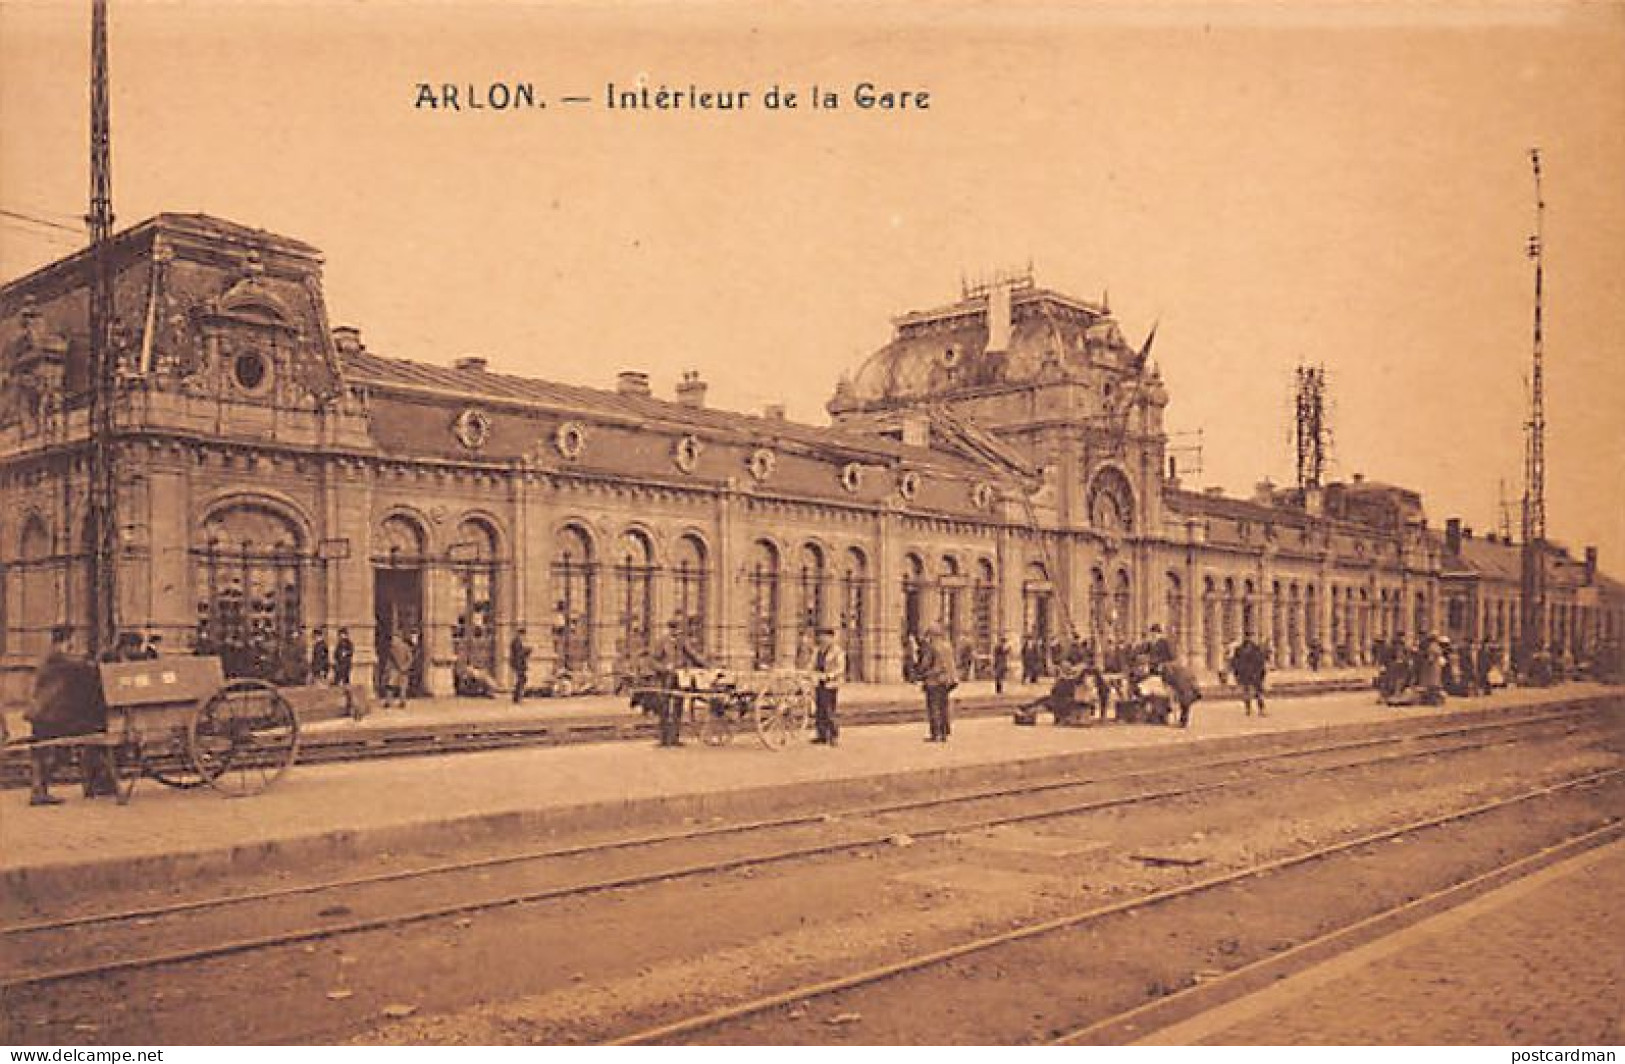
101	533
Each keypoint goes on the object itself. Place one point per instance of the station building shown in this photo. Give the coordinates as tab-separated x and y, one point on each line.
999	467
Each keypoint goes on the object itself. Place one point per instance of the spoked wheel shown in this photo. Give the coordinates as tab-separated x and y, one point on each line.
782	713
244	738
172	766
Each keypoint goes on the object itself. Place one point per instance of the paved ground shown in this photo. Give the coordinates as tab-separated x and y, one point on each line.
376	795
1539	962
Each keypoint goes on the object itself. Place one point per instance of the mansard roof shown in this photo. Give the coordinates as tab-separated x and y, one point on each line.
448	382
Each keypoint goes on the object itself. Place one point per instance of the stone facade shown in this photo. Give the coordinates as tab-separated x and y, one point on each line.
999	467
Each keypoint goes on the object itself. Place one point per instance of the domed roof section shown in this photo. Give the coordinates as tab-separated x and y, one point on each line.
990	338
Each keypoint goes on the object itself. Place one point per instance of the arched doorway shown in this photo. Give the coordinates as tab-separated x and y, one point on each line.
573	593
1123	608
248	569
1037	608
913	606
811	583
634	596
984	612
950	583
690	589
399	556
37	598
474	564
764	605
855	612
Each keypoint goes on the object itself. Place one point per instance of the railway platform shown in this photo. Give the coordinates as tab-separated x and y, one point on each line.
356	811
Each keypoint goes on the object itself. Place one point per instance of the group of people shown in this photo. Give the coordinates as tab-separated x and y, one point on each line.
300	658
1432	667
1118	674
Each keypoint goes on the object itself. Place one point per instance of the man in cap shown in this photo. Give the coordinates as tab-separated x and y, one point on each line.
938	677
672	652
829	667
67	700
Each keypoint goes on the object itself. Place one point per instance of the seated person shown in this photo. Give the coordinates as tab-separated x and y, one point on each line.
471	681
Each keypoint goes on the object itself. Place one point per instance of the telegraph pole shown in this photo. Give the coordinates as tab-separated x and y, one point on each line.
1534	473
1310	429
101	525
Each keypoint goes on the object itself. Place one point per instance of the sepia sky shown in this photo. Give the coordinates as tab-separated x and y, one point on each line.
1344	183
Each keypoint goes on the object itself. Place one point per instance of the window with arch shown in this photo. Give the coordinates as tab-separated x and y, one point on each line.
984	608
1122	607
1111	502
401	541
950	608
1294	625
1037	605
1174	608
1228	614
1249	610
764	604
913	600
474	567
1210	625
691	587
1311	616
1099	607
812	582
574	588
37	598
854	625
634	594
248	565
1277	647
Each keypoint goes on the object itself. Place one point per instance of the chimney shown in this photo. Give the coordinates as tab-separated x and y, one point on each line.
1591	565
1359	478
1452	536
632	382
347	338
773	411
1173	470
477	363
691	390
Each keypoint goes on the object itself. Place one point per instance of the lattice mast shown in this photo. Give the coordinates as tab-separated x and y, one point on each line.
1311	430
1534	472
101	531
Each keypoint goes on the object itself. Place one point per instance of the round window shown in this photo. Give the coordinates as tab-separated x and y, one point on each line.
250	370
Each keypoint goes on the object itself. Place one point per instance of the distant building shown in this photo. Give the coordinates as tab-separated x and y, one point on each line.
999	467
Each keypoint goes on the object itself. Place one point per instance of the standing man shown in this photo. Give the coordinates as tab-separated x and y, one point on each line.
1248	665
829	666
519	662
671	653
66	701
398	654
938	678
320	659
343	658
1001	664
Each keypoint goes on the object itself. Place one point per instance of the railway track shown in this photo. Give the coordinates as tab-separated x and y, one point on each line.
146	937
773	1018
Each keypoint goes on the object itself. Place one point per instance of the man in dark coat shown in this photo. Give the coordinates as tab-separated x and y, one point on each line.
1248	666
320	659
672	652
1001	664
938	677
519	662
67	700
343	658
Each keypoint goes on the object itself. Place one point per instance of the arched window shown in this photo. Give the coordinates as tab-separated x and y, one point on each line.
855	611
1122	607
1098	607
1294	626
812	580
1174	607
691	587
574	589
1249	610
984	609
248	569
1228	616
1210	623
1277	647
634	593
1421	613
474	564
37	603
950	586
764	604
913	599
1036	604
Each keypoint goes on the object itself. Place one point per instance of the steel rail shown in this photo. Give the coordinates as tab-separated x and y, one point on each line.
669	874
1341	939
934	958
745	827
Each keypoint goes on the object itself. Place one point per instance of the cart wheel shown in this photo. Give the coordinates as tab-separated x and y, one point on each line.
782	713
244	738
173	766
716	722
